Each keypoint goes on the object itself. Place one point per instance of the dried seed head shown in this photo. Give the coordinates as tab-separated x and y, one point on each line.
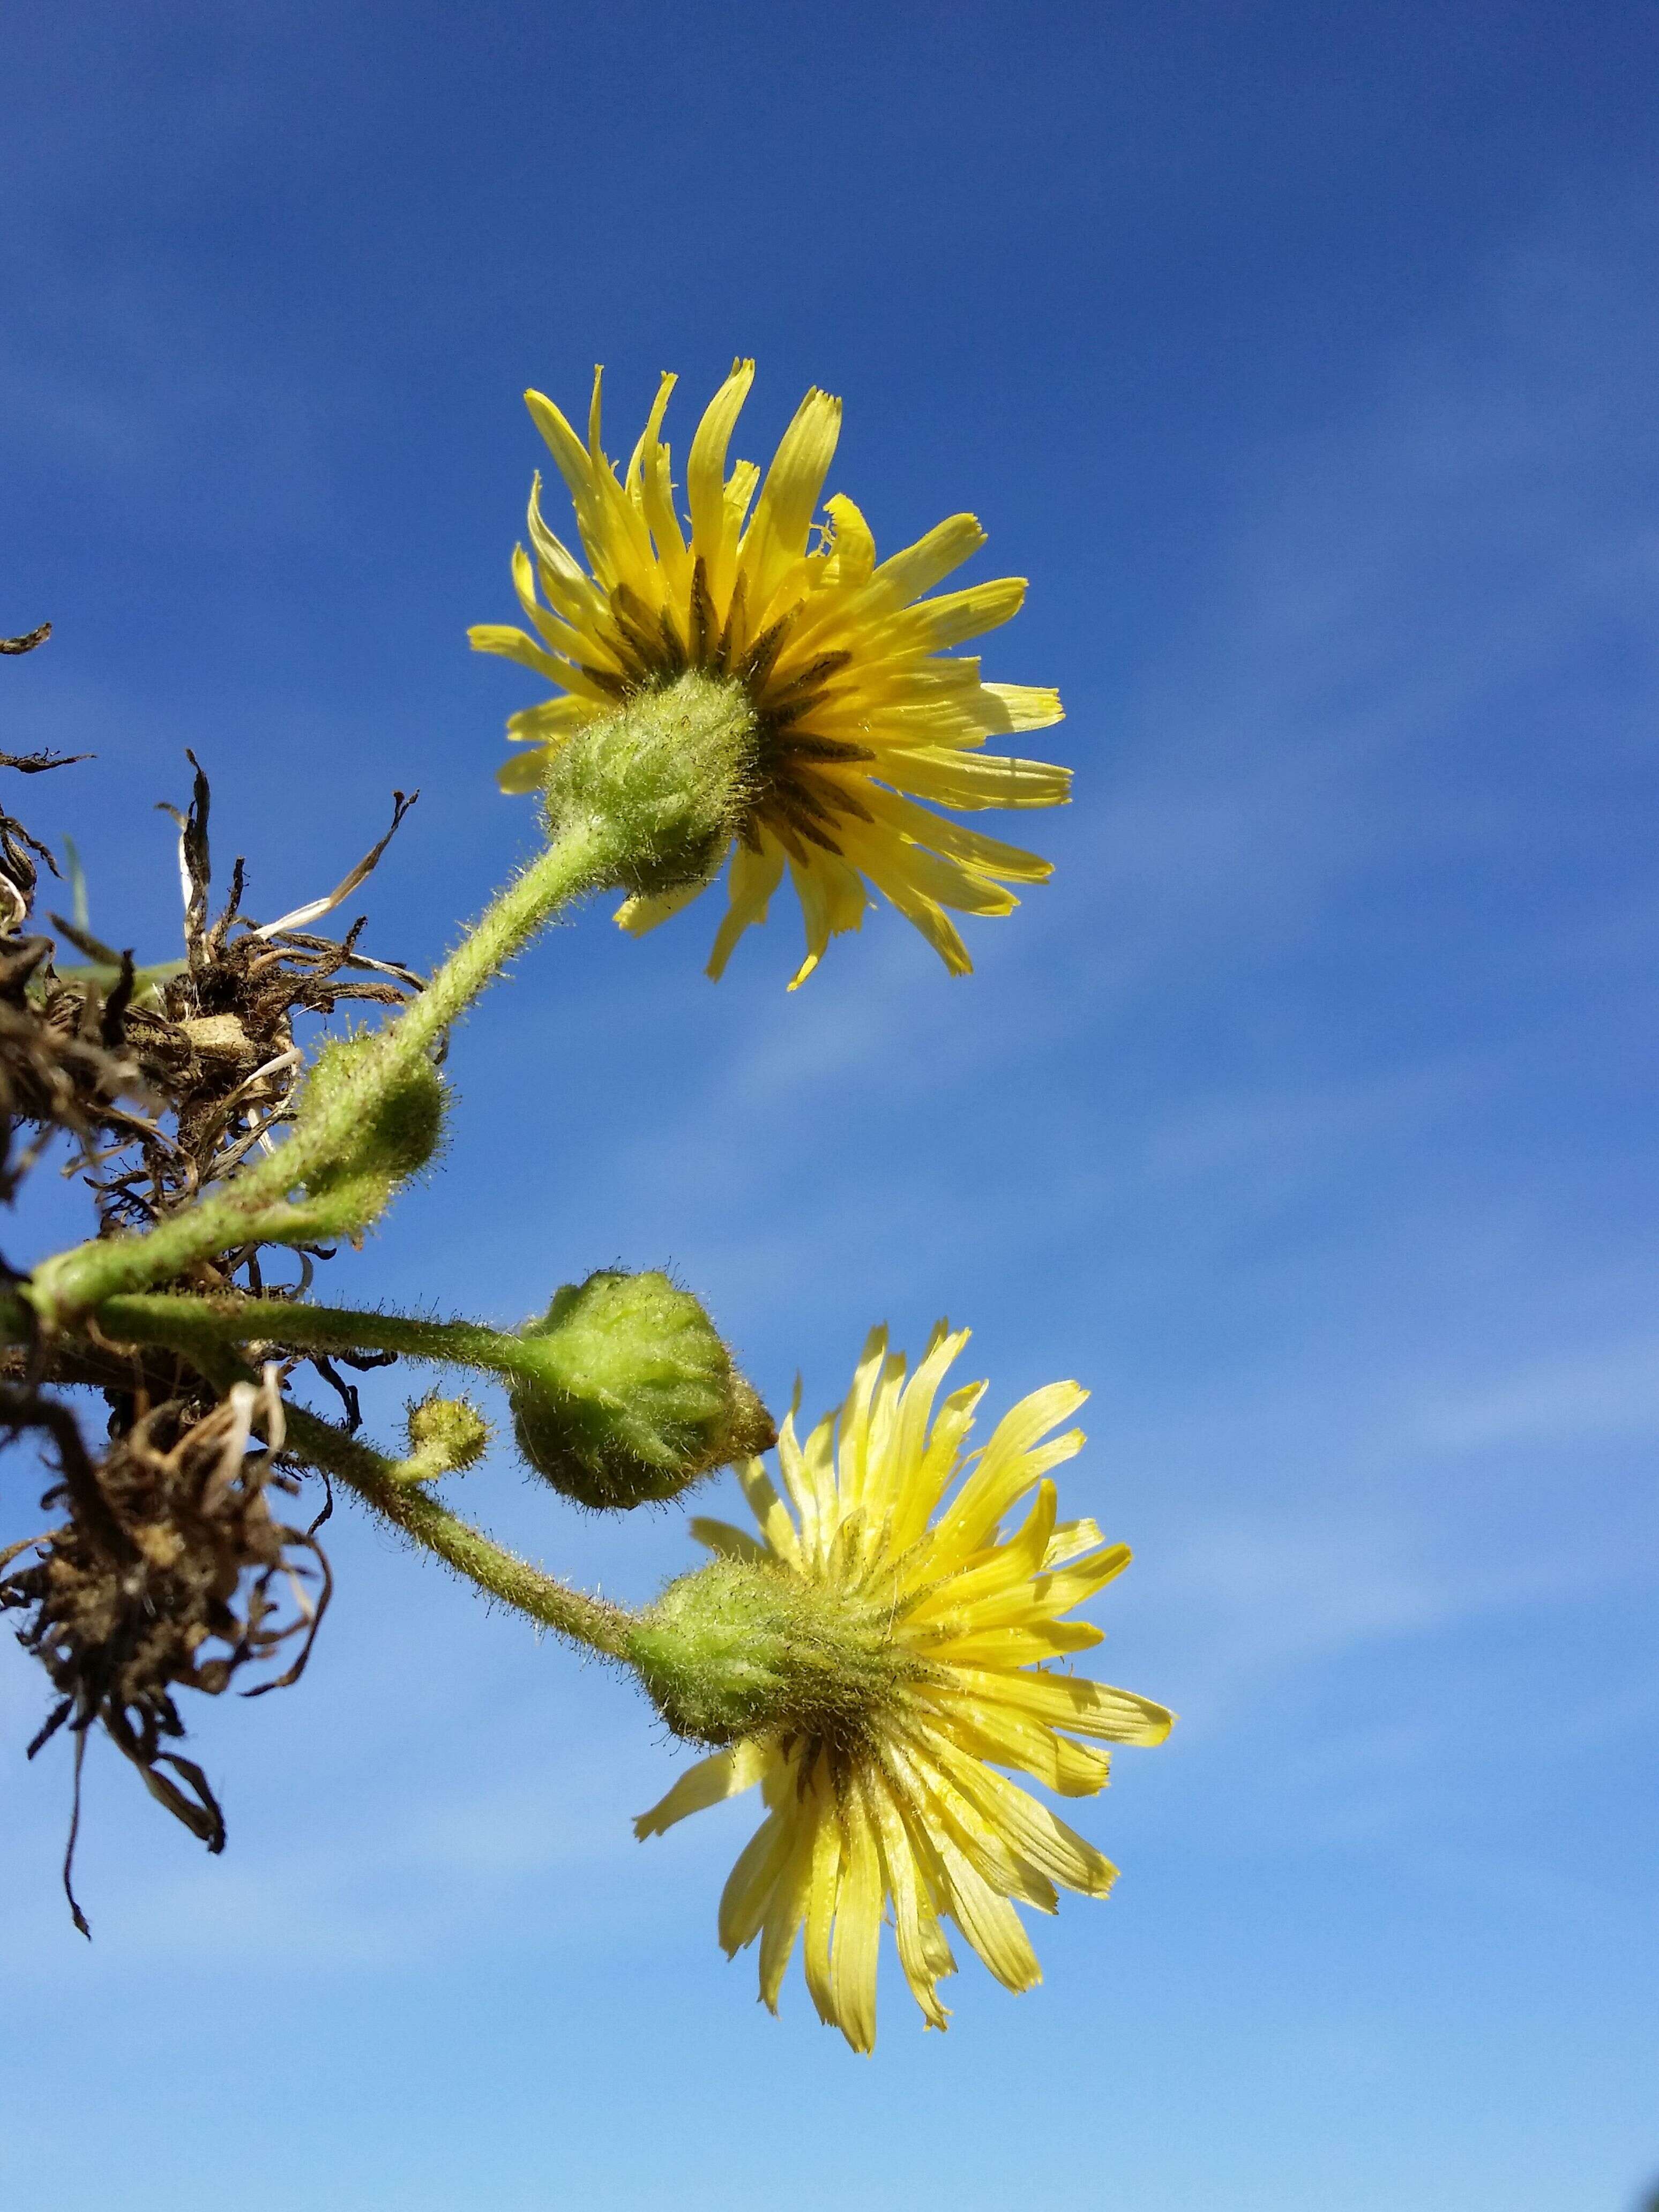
171	1574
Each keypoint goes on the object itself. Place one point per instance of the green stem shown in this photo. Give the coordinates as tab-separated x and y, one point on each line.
502	1574
184	1323
579	860
256	1206
389	1485
428	1464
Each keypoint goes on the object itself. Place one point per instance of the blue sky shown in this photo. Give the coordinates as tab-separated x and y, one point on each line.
1302	357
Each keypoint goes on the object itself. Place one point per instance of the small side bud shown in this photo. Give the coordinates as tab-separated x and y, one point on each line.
446	1437
625	1393
377	1143
669	775
740	1649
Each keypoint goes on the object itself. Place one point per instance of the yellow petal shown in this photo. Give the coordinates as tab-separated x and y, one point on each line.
727	1542
657	498
989	1923
811	1491
558	637
649	445
1008	1468
705	479
887	864
964	1598
991	1589
855	556
787	1906
832	901
1014	1647
752	1883
949	1813
644	910
815	912
1072	1769
566	447
988	855
789	497
997	1737
614	529
512	645
1080	1771
856	1950
1073	1703
905	576
822	1887
571	592
1059	1592
552	718
769	1511
754	877
1029	1829
852	1422
951	1431
901	1465
916	1931
1026	705
739	491
525	772
726	1774
974	781
1071	1538
955	616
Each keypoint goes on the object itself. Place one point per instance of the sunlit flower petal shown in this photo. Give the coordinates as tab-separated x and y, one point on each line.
860	708
899	1813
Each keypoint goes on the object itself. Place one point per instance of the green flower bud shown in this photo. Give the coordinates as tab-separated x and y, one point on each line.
670	775
380	1141
743	1649
446	1437
624	1394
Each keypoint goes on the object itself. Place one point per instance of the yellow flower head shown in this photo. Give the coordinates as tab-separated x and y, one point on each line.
861	707
892	1808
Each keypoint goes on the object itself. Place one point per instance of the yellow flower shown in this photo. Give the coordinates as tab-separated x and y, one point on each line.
861	709
894	1810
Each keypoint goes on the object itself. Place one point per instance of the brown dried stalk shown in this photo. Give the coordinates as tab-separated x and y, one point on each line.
170	1573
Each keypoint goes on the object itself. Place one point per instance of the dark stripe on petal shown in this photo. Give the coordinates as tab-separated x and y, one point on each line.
814	674
806	747
702	615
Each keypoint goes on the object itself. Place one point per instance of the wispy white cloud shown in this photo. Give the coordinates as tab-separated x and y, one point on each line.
1610	1391
1399	588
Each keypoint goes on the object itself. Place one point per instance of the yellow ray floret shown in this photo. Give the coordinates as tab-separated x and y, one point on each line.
861	707
903	1818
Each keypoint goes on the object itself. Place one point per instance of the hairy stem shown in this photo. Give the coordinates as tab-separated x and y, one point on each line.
258	1205
499	1573
389	1485
184	1323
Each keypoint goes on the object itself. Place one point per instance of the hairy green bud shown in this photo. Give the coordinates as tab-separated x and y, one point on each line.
377	1135
446	1437
624	1394
669	775
741	1648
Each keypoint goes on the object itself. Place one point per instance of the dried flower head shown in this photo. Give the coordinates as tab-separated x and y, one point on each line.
170	1574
